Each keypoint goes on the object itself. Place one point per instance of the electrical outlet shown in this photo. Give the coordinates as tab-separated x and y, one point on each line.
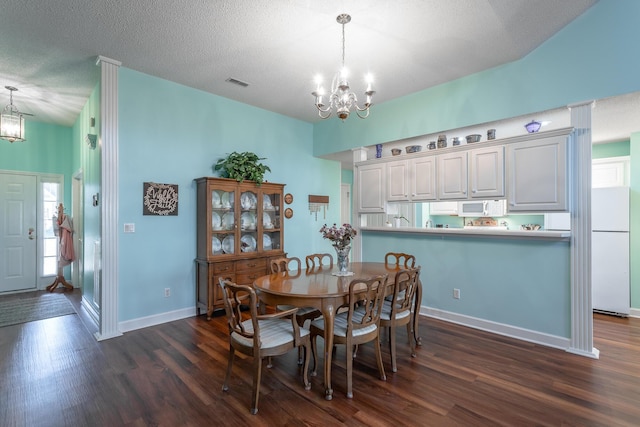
456	293
167	292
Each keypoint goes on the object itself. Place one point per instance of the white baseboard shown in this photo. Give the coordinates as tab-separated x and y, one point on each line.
498	328
156	319
634	312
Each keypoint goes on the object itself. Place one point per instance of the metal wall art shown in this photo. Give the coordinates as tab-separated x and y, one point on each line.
160	199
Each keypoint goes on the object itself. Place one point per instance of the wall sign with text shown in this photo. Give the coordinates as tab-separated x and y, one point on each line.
160	199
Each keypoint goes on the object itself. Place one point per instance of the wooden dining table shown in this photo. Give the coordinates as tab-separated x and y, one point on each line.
321	288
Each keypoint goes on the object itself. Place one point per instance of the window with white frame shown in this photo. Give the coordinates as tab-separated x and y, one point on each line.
50	197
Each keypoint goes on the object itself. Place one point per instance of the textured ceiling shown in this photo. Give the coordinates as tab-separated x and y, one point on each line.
49	48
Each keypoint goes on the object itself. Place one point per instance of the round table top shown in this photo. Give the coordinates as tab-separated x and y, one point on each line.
321	282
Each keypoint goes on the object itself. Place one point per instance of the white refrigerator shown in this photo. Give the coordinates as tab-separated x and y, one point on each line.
610	250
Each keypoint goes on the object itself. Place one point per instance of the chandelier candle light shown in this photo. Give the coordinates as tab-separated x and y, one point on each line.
11	121
341	98
341	240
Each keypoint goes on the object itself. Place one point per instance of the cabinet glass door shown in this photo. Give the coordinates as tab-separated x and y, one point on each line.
270	225
248	221
222	222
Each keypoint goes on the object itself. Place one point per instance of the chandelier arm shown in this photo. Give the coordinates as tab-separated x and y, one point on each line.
324	110
363	109
324	116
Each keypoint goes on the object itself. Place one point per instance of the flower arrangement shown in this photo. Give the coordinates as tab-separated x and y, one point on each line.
340	237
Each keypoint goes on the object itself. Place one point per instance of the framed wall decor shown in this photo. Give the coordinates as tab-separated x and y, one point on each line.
288	198
288	213
159	199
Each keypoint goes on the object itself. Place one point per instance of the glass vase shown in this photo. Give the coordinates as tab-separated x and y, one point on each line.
342	255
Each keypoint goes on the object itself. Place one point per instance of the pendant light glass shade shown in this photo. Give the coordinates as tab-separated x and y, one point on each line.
11	121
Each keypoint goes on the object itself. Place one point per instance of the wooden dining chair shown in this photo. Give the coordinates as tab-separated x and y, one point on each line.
260	336
281	264
400	260
359	325
397	310
314	261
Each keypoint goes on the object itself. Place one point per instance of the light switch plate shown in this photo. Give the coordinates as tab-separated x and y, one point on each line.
130	228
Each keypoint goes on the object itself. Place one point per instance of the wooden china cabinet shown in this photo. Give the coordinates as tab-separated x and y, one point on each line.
239	230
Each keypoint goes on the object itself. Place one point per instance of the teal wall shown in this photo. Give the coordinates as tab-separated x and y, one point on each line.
612	149
48	149
515	282
588	59
171	134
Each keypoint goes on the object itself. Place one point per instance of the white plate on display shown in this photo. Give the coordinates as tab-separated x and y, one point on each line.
226	200
266	242
216	222
216	245
248	221
248	200
247	243
266	202
266	221
215	200
227	221
227	244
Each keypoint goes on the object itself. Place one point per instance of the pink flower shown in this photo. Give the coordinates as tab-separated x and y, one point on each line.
339	237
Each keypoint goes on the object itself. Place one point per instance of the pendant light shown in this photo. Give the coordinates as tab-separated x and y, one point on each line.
11	121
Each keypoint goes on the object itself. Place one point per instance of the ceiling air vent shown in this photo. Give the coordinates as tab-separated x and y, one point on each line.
237	82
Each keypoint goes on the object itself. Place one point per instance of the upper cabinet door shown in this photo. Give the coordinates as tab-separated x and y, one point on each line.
452	176
370	188
398	181
423	183
537	175
486	170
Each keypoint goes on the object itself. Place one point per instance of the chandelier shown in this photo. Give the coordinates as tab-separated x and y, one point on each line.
11	121
341	98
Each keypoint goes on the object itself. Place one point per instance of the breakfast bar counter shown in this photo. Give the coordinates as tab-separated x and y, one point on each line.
478	232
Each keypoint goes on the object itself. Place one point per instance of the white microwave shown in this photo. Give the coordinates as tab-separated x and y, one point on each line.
479	208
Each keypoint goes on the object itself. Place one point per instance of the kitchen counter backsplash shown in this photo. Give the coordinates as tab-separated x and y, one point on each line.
514	222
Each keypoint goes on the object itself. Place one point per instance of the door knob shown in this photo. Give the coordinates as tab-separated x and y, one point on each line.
31	231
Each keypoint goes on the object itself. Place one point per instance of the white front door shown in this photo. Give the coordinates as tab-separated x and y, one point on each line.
18	232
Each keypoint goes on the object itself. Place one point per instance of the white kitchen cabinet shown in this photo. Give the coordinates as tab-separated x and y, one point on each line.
423	182
370	188
398	181
443	208
610	172
452	175
486	172
537	175
411	180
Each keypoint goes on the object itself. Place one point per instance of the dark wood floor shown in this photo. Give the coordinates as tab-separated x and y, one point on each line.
54	373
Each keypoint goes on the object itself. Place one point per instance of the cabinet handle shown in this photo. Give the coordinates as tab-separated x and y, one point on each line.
473	191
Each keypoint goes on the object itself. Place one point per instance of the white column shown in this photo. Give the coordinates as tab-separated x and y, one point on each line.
108	327
359	154
581	305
